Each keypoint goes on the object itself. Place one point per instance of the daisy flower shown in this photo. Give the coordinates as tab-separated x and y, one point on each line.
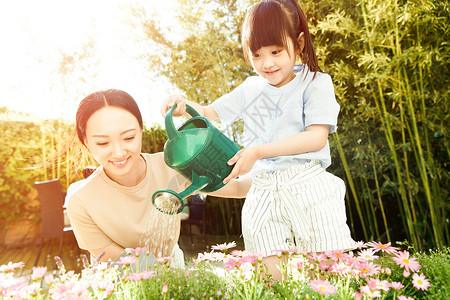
378	284
396	285
367	268
387	248
367	291
324	287
367	254
420	282
224	247
401	297
402	259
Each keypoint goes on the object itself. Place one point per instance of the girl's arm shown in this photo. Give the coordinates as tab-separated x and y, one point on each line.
236	188
312	139
205	111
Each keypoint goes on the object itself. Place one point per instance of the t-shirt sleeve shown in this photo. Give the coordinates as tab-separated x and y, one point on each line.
320	105
229	106
84	228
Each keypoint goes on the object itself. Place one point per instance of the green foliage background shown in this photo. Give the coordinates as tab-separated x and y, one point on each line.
389	62
27	145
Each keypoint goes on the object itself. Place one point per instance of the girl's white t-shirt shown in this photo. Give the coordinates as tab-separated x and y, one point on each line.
271	114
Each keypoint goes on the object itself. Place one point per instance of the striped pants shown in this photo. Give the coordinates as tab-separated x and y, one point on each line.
302	207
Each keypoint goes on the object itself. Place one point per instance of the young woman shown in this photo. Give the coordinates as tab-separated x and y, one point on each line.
112	209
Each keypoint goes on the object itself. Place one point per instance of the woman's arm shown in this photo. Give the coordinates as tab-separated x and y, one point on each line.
112	251
312	139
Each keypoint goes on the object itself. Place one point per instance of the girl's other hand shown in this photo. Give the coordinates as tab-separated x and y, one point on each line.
170	101
243	162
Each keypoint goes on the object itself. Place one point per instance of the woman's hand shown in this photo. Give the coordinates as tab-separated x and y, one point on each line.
170	101
243	162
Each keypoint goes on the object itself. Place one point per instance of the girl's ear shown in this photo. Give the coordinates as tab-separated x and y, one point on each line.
300	43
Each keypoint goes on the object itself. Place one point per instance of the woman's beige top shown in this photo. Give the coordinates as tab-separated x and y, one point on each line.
102	212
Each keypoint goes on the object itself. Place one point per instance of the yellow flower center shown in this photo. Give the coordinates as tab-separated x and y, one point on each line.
382	246
364	270
420	282
322	288
406	261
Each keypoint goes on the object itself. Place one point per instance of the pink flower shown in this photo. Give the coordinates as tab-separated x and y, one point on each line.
165	289
358	296
164	259
402	259
367	254
324	287
10	267
224	247
420	282
371	293
126	260
397	285
377	284
135	251
340	268
401	297
366	268
49	279
387	248
38	273
231	263
284	252
107	286
140	276
335	254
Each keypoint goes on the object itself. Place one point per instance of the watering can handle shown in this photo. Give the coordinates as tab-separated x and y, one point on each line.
172	132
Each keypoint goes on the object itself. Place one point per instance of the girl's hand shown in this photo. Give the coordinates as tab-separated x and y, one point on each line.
243	162
170	101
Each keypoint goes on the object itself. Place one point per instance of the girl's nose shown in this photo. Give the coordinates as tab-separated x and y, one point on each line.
268	62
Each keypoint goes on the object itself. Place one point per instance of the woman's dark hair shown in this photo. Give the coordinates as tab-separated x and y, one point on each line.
97	100
272	22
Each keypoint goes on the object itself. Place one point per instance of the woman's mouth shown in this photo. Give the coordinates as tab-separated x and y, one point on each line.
119	163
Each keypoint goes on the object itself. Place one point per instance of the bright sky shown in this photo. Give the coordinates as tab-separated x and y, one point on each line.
34	33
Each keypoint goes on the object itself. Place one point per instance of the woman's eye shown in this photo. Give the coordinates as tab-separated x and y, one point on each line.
102	143
130	138
276	52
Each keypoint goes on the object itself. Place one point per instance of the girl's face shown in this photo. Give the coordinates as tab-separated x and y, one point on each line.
275	63
114	138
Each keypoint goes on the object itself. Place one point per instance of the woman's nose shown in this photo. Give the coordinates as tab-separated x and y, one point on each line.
118	151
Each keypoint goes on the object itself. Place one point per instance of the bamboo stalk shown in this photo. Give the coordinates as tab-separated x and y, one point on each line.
351	185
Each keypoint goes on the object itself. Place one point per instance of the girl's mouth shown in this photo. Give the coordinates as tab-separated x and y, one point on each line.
270	73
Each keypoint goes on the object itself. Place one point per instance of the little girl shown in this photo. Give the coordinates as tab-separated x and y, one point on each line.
288	113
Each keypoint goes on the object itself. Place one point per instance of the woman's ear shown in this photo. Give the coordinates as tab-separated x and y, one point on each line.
300	43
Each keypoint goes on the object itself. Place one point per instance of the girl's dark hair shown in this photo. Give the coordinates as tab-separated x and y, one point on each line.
97	100
272	22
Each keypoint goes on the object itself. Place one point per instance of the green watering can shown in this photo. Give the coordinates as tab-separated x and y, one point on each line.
198	151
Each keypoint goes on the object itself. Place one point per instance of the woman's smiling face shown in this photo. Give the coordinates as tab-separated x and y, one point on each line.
114	138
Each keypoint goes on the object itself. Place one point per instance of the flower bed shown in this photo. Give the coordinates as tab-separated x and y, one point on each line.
374	270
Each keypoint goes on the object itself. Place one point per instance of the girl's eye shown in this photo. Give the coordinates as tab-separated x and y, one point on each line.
102	143
276	52
130	138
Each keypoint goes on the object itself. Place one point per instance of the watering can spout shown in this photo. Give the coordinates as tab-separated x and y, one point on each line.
170	202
